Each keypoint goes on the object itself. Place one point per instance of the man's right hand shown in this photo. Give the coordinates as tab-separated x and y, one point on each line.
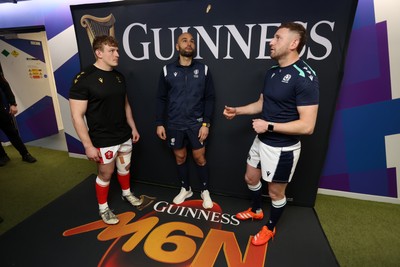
161	132
93	154
13	110
229	112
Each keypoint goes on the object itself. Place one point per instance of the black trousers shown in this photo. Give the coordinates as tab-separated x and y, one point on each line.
8	127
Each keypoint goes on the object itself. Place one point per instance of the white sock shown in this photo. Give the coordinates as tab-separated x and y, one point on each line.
126	192
103	207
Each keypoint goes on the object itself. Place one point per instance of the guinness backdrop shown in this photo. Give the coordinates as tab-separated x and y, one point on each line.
232	38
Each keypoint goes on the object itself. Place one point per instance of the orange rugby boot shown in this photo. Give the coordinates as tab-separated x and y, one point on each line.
248	214
263	236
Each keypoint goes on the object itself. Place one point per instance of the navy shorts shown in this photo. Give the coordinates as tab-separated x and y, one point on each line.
178	139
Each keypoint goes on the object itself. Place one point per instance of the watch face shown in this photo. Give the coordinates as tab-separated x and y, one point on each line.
270	127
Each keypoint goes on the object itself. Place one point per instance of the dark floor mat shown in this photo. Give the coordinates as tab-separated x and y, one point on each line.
67	232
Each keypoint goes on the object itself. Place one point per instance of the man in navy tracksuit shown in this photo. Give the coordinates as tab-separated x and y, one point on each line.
185	105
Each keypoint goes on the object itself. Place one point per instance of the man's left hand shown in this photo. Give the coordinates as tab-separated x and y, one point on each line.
203	133
260	126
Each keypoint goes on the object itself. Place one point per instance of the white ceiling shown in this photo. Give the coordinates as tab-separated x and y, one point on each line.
11	1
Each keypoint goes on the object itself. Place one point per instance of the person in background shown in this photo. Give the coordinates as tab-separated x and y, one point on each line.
185	105
288	105
8	108
99	94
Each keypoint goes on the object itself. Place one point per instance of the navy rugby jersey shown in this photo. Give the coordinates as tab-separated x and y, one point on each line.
284	90
185	96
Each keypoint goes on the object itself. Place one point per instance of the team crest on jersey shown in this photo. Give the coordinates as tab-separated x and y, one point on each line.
175	73
118	79
287	78
101	80
109	154
196	73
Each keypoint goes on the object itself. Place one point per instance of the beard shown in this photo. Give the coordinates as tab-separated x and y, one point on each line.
274	55
186	53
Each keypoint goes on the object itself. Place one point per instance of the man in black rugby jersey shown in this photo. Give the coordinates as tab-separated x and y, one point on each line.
99	94
288	105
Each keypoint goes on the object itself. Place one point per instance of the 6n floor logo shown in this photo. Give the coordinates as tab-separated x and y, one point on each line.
160	239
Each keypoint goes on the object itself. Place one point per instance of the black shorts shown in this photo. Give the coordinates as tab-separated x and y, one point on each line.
178	139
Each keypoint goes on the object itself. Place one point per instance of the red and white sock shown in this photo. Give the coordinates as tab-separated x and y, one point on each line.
125	182
102	189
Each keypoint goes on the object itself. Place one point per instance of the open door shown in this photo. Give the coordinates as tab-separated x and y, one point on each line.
28	71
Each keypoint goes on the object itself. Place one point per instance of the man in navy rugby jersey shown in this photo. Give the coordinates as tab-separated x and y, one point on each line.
288	105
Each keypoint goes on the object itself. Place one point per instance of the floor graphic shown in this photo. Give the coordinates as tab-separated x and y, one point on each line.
69	232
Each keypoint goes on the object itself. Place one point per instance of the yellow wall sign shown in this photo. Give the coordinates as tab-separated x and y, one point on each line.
15	53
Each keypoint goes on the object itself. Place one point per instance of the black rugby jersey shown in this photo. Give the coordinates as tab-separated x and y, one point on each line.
284	90
105	92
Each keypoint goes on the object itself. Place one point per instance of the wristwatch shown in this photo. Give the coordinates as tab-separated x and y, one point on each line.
206	124
270	127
